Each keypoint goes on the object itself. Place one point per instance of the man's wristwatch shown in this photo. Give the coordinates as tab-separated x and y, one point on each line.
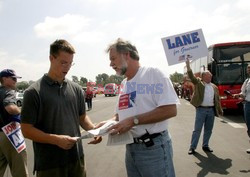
136	120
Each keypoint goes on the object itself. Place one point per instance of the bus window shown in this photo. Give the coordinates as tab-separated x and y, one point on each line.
229	74
247	56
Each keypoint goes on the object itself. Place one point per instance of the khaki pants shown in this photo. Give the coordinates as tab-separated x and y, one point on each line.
76	169
8	155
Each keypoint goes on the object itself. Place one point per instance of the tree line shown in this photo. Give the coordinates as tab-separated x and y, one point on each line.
101	80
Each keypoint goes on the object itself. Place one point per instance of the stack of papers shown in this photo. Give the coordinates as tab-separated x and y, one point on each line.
118	139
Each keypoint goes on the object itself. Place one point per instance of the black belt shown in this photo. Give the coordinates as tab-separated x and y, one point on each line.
205	106
152	136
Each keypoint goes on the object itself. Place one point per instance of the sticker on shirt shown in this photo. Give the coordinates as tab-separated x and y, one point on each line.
15	136
127	100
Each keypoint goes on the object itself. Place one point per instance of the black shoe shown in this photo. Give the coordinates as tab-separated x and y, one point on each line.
191	151
207	149
248	151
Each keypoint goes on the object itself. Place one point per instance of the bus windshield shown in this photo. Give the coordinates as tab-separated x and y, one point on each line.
235	53
231	64
229	74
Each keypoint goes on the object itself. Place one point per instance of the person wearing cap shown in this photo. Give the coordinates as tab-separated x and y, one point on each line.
8	109
53	111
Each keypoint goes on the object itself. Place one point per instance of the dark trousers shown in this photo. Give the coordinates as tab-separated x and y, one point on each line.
247	116
89	102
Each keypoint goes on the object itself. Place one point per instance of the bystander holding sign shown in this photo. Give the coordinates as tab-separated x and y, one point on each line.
190	44
14	134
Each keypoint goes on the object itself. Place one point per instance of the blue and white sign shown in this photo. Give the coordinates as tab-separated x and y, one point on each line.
15	136
191	44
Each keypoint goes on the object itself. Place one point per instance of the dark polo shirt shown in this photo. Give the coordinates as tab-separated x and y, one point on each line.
7	97
54	108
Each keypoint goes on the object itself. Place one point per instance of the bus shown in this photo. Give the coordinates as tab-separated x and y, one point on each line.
227	62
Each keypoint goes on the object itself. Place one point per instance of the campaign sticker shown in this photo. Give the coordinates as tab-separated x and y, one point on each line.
15	136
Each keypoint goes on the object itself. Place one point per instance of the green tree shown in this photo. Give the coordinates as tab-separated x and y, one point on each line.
83	81
176	77
116	79
22	85
102	79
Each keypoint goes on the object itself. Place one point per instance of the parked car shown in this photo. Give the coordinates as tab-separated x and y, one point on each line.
19	99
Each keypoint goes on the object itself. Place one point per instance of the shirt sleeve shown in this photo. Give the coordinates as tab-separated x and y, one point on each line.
10	98
82	108
30	107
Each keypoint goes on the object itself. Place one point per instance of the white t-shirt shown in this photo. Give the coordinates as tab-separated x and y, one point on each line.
147	90
245	89
208	99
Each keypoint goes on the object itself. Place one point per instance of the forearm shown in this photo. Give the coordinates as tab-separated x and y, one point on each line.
86	123
157	115
37	135
13	109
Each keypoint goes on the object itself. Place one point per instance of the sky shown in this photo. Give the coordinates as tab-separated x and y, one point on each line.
28	27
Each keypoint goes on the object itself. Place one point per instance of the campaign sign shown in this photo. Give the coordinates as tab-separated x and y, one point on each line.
191	45
14	134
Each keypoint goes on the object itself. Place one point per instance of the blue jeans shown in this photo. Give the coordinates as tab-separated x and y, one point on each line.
154	161
204	116
247	116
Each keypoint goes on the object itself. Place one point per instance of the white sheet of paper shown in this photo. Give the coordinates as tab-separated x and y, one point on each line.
89	135
120	139
101	131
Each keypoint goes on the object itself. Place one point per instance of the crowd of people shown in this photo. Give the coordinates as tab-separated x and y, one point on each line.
54	109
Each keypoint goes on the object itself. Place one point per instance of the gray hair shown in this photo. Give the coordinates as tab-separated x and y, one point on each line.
205	72
122	46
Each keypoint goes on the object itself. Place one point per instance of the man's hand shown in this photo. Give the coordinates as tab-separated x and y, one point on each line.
100	124
238	96
65	142
97	139
122	127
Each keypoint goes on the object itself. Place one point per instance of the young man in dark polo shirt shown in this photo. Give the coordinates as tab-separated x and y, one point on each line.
53	109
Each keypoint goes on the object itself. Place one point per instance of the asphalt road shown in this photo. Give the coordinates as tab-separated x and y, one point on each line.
229	142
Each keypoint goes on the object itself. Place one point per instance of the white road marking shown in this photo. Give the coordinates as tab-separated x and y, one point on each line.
225	120
233	124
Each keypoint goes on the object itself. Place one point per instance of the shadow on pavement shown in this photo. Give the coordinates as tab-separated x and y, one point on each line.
236	116
212	164
245	171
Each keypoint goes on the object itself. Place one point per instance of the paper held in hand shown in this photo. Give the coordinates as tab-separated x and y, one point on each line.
119	139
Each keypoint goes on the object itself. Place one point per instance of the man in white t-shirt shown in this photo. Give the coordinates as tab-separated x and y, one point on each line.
245	95
146	101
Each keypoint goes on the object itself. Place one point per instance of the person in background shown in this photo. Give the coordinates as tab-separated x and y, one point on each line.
245	95
146	101
8	110
53	109
207	103
88	97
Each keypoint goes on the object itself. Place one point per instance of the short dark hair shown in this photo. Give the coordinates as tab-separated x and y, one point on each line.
123	46
61	45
